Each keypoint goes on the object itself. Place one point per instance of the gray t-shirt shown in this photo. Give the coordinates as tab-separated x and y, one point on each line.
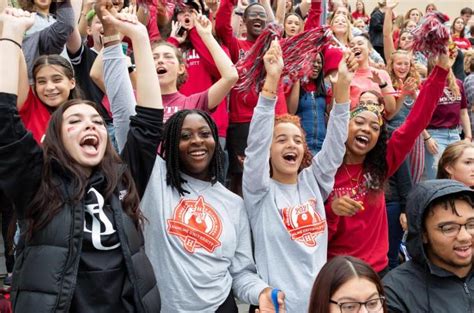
199	244
288	221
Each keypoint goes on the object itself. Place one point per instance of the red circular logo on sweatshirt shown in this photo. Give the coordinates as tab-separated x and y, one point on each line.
196	224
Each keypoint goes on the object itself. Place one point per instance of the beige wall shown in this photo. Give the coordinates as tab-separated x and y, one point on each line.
450	7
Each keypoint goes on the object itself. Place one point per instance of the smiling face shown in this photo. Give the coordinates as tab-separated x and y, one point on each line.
168	66
52	86
359	45
255	19
364	131
196	146
286	152
453	254
317	67
462	169
340	25
401	65
84	135
292	25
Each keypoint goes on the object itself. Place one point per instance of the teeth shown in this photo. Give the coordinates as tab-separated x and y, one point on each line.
198	153
362	138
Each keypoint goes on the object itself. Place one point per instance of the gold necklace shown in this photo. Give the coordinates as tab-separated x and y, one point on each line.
353	180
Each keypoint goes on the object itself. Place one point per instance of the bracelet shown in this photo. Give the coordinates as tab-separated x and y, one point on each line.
381	86
426	139
269	91
11	40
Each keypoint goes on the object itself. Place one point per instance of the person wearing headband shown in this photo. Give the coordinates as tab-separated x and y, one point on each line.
356	211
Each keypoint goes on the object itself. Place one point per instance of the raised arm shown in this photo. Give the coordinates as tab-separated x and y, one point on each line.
229	75
224	29
20	155
52	39
256	176
280	12
141	143
314	15
388	47
325	163
420	115
268	9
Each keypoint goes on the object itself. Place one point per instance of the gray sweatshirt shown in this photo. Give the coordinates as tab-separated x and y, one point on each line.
288	221
199	244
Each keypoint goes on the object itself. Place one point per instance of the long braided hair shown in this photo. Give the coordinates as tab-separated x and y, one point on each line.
169	149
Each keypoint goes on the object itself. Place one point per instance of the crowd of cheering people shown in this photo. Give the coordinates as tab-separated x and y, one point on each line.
137	175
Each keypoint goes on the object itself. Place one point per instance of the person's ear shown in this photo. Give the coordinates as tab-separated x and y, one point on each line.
182	69
449	169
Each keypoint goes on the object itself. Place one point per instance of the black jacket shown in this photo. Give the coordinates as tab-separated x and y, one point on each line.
418	285
46	268
376	28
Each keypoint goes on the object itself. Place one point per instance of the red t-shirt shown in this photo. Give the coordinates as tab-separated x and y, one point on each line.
462	43
35	115
365	235
356	15
242	103
448	110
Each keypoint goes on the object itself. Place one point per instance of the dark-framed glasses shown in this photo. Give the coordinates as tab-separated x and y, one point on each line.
372	305
453	229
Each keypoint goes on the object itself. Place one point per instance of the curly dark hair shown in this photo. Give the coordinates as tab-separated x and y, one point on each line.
375	162
169	149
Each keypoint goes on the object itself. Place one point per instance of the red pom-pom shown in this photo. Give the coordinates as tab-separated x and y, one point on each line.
299	53
251	68
432	37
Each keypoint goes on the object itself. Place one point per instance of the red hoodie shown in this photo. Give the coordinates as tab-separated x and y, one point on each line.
242	103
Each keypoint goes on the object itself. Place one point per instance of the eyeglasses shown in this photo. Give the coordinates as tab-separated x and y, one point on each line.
453	229
372	305
262	15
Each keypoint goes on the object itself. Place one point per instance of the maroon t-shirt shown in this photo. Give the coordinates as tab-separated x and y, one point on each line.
175	102
447	113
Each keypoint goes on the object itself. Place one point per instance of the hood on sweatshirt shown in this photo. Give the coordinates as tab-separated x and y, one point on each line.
418	202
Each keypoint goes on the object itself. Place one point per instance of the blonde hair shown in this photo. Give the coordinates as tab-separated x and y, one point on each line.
349	24
450	155
411	73
468	55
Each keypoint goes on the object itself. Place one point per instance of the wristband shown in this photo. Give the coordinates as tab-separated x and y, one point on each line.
426	139
11	40
381	86
107	39
275	298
